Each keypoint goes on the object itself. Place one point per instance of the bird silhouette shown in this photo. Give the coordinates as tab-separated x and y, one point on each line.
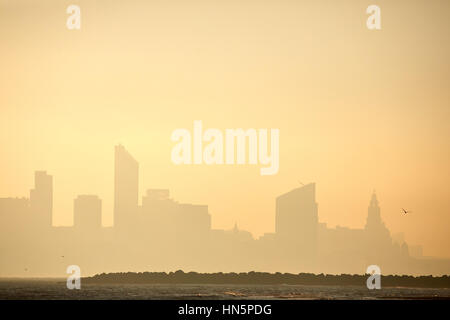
406	211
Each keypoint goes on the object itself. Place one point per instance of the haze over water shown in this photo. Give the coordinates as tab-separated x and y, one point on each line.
87	116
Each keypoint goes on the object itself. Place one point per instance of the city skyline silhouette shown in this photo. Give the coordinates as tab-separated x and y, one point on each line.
356	108
161	234
353	107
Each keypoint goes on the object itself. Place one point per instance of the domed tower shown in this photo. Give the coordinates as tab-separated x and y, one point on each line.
375	229
373	214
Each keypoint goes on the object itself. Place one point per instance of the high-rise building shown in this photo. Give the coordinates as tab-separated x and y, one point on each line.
296	213
14	216
87	212
296	224
126	184
169	216
41	199
194	219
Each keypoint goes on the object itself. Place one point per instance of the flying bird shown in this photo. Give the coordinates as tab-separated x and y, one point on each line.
406	211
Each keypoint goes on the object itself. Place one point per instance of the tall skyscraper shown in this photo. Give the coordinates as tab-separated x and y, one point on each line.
126	187
87	212
296	224
41	199
297	214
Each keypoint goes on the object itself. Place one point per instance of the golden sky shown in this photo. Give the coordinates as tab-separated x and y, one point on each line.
357	109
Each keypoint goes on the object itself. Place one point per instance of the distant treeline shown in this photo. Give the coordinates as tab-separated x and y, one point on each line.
180	277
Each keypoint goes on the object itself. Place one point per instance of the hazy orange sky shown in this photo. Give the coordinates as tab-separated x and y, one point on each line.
357	109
